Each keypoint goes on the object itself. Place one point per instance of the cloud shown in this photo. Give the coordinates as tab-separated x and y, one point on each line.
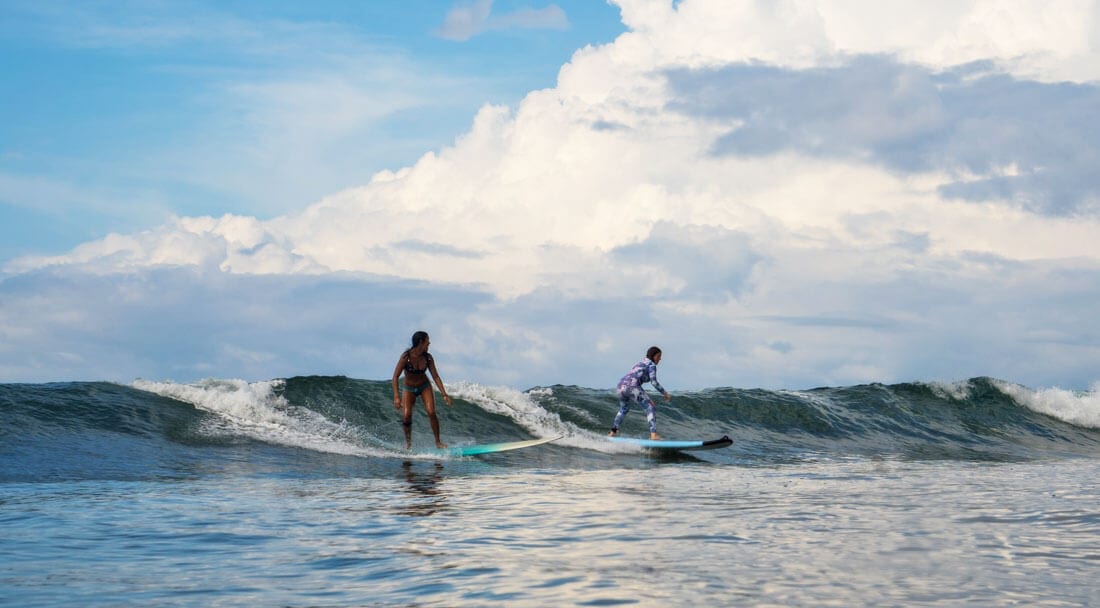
1004	138
180	322
185	323
1048	42
775	199
469	20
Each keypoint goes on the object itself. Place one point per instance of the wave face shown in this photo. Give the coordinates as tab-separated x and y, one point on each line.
91	430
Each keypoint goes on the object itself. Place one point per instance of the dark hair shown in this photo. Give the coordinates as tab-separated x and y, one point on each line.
419	337
652	352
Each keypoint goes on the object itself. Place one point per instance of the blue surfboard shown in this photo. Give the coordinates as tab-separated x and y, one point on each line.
665	444
490	448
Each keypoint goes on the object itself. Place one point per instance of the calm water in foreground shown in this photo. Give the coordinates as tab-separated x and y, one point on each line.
489	532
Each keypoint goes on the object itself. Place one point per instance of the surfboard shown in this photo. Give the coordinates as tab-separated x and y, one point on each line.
490	448
665	444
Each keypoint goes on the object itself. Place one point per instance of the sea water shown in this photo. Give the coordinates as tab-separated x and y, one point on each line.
297	493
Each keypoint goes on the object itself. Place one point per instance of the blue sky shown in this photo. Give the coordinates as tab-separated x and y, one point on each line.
120	115
783	195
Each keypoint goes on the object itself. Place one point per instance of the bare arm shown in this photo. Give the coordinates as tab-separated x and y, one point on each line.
439	383
397	374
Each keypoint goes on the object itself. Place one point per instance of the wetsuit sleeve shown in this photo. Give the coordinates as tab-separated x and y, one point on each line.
653	378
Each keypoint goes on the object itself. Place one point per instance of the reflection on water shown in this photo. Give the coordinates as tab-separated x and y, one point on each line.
424	485
876	532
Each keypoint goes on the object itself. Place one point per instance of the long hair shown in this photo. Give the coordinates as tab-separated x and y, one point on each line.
419	337
652	352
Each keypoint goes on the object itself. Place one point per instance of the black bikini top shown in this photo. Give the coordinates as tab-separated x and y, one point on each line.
411	369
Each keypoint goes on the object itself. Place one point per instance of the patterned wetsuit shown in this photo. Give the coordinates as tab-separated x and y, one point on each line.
630	390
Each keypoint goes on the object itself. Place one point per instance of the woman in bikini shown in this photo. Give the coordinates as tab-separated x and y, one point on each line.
416	363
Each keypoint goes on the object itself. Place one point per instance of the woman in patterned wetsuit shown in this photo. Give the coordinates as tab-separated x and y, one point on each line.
630	391
417	363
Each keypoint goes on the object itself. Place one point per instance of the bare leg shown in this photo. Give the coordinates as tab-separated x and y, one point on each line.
408	400
429	405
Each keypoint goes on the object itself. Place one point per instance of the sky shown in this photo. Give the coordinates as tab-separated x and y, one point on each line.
780	194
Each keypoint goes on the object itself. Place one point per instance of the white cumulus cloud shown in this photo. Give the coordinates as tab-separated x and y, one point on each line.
778	193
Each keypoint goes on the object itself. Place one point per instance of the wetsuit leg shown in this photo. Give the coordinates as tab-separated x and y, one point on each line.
642	400
625	398
650	413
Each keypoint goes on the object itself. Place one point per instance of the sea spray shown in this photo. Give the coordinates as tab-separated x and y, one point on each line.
254	410
1080	408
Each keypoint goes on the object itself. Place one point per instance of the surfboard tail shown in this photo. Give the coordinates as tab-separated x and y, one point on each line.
722	442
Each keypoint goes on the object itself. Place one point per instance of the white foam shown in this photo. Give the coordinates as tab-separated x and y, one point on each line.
522	409
1081	408
254	410
959	390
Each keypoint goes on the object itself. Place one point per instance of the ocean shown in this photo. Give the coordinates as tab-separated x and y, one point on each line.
297	492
